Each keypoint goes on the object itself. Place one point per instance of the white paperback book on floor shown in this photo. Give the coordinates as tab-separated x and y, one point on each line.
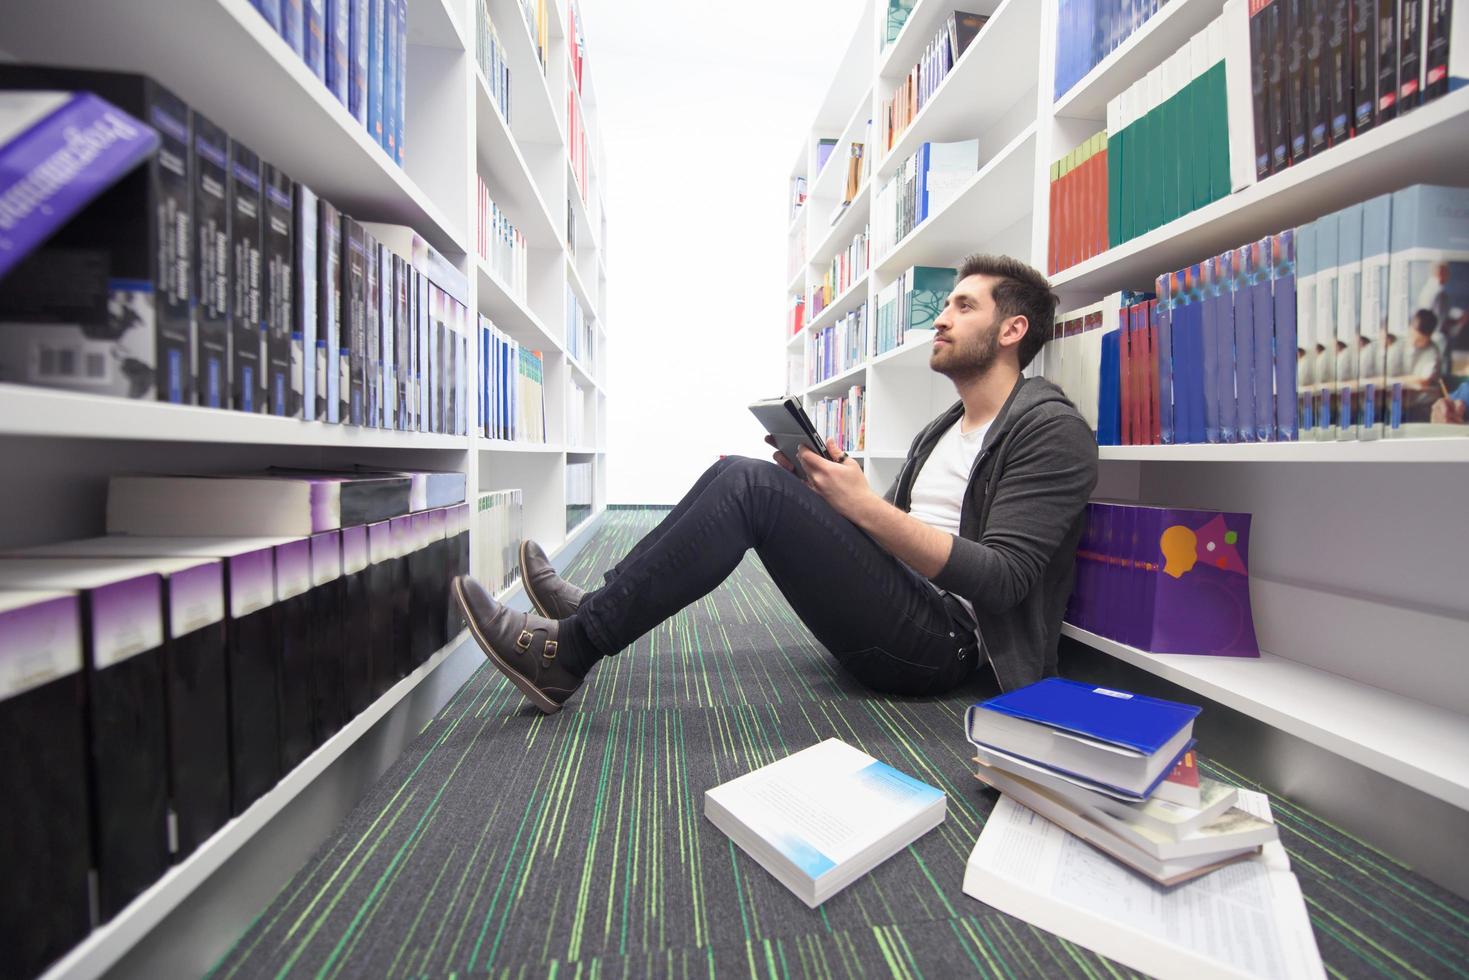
1247	919
823	817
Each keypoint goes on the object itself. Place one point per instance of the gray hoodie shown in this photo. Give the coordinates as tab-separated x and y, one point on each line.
1021	518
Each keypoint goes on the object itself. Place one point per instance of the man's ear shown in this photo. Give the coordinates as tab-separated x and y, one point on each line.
1013	330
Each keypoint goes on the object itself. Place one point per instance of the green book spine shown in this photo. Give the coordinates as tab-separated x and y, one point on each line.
1152	192
1199	143
1219	184
1132	188
1116	157
1172	148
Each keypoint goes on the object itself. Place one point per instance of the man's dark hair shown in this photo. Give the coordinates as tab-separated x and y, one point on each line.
1425	322
1018	290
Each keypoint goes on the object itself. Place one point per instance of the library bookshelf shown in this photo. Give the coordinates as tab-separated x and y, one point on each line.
1355	545
224	59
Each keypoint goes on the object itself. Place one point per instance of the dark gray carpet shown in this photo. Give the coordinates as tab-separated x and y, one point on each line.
506	843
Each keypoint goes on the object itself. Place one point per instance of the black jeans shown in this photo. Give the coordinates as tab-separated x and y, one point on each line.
884	623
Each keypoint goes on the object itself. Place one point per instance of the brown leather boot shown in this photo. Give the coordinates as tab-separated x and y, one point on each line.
553	596
521	645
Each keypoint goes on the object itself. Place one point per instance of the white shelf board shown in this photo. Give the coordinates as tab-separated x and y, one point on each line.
847	301
1448	450
431	23
1418	744
839	236
994	73
1425	146
582	373
800	214
913	351
505	446
797	286
998	196
573	276
52	413
796	337
107	944
837	382
509	178
585	236
1165	32
533	116
229	50
511	315
581	451
923	22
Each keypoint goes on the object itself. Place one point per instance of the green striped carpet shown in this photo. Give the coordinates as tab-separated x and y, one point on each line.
507	844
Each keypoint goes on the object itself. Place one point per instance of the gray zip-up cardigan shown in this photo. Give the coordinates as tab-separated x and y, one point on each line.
1015	555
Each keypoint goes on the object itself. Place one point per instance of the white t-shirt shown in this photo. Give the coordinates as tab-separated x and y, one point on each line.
938	492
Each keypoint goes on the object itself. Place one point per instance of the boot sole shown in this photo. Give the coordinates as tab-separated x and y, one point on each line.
539	699
529	592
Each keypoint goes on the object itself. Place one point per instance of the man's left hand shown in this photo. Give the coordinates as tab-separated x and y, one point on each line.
841	484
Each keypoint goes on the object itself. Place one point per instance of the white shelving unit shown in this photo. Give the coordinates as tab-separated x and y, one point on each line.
225	60
1355	547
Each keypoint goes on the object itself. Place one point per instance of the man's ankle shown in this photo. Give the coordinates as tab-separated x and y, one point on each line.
576	652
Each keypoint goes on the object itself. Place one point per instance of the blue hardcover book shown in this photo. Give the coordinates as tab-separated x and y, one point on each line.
1163	312
1131	721
359	12
292	25
1283	293
376	37
1108	403
1244	343
1328	260
400	97
1210	337
1376	253
314	37
338	31
1257	274
1178	283
1224	354
1195	366
388	138
271	11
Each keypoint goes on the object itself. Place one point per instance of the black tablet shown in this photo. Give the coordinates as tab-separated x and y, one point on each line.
787	421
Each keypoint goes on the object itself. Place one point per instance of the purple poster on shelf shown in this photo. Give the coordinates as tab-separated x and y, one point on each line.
1201	592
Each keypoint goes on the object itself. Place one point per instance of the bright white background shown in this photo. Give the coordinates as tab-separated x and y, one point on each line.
703	107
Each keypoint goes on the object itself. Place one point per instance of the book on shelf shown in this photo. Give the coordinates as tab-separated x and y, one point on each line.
106	302
337	55
1127	742
940	55
898	12
46	847
1166	579
500	518
825	146
921	187
1159	855
1089	30
843	418
277	256
210	260
1026	866
41	194
822	817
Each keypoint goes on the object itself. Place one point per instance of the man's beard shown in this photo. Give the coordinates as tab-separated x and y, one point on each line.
970	361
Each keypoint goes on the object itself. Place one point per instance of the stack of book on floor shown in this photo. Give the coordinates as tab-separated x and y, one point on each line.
1118	771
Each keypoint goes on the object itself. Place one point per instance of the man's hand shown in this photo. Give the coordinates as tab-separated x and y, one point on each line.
843	485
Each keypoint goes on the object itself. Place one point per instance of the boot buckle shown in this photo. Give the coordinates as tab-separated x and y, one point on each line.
523	641
548	654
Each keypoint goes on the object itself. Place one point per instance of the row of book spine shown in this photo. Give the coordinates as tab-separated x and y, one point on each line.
939	56
537	20
578	145
1089	30
843	418
494	62
580	488
359	51
1079	205
1351	327
500	243
577	417
581	336
922	186
838	347
500	527
211	668
219	281
512	388
576	43
845	268
796	321
910	303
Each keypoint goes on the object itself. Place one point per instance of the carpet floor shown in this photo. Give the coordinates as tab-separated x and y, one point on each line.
504	843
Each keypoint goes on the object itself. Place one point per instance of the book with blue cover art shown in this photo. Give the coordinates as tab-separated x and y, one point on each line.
271	11
335	59
1328	249
313	49
388	137
1163	313
1376	253
292	25
824	816
1224	353
357	57
1257	271
400	97
376	39
1348	340
1244	344
1211	331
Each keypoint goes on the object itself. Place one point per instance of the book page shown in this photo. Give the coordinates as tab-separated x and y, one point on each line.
1247	917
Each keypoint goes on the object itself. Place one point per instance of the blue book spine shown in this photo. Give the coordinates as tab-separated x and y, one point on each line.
271	11
389	138
1244	344
357	61
1164	314
1198	409
1283	291
1262	315
1210	352
1224	354
376	10
338	47
1107	400
314	37
292	23
400	102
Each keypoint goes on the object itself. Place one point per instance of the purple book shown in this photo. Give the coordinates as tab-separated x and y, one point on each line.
44	128
1261	302
1200	590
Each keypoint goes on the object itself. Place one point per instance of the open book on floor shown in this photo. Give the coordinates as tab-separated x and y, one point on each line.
821	818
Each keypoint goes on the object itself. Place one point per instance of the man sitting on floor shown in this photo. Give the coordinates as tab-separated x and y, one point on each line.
967	559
